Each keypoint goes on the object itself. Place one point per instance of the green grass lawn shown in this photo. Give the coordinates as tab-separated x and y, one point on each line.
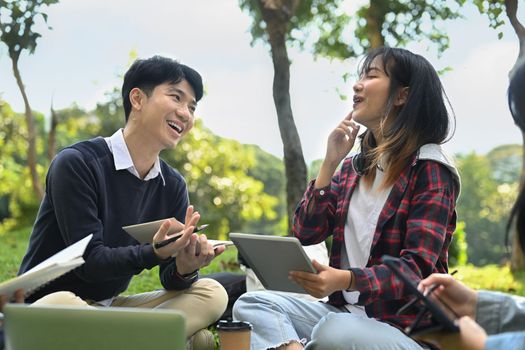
491	277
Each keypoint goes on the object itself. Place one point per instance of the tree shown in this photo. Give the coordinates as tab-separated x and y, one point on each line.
329	30
17	18
489	189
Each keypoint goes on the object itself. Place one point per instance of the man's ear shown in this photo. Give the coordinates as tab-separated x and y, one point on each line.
402	96
136	98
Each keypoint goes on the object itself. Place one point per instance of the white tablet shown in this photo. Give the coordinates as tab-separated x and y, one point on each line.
144	232
272	257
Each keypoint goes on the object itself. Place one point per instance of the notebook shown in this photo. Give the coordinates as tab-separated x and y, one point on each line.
144	232
48	270
272	257
54	327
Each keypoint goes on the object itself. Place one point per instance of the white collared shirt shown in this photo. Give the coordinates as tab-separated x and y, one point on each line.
123	160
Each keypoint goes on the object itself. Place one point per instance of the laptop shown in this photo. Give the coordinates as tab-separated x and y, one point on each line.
53	327
272	258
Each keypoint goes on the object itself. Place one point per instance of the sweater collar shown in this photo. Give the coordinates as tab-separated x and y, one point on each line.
122	157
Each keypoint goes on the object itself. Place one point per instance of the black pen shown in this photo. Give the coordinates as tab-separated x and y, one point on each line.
430	290
165	242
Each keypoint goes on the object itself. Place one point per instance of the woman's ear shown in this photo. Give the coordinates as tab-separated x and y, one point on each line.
136	98
402	96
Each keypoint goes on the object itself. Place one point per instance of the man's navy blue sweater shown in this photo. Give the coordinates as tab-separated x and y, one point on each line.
84	195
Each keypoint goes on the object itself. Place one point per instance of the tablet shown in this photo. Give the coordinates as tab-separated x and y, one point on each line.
144	232
445	322
272	257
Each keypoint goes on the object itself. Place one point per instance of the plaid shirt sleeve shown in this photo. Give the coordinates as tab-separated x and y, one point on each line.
418	233
314	217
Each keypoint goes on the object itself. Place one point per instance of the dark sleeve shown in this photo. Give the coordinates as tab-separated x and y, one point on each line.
430	214
169	278
72	190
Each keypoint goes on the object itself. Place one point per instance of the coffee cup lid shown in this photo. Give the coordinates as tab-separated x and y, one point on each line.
231	326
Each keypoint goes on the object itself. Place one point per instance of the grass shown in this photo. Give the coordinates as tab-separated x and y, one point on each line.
490	277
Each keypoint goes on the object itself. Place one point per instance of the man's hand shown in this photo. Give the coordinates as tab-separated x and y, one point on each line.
186	231
198	253
18	298
325	282
453	293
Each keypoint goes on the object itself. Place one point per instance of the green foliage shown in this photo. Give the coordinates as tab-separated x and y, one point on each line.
505	162
486	199
17	18
15	185
492	277
494	9
216	172
331	32
457	253
402	21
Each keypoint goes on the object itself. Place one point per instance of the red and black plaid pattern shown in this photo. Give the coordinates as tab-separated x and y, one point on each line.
416	225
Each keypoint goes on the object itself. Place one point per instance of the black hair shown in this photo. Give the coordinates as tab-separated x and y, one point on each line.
146	74
516	95
422	119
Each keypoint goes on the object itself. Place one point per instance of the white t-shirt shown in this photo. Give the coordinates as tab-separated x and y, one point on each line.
361	222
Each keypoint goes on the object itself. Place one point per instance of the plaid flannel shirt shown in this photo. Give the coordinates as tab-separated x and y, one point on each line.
416	225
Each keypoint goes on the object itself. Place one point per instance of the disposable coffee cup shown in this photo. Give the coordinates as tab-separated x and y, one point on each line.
234	335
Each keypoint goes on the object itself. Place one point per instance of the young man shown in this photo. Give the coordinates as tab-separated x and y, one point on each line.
98	186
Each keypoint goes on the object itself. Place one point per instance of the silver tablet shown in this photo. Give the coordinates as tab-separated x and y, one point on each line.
272	257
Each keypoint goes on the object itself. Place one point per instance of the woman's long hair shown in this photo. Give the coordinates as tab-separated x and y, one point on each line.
516	95
422	119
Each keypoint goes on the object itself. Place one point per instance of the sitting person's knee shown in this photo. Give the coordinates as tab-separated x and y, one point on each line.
210	289
61	298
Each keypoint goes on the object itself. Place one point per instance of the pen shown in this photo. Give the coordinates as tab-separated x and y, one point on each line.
430	291
165	242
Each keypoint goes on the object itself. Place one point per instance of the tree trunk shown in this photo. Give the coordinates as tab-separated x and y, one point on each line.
276	15
31	134
511	7
375	17
51	138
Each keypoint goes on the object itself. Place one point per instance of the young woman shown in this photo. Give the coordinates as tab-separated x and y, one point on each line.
396	197
500	315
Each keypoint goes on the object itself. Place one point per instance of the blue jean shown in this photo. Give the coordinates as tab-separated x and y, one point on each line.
506	341
279	319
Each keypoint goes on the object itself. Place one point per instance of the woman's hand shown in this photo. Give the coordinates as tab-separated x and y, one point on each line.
340	142
325	282
470	337
458	297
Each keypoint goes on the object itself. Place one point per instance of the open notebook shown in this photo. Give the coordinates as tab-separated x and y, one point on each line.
48	270
144	232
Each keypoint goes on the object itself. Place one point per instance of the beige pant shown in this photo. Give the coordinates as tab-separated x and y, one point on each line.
203	303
